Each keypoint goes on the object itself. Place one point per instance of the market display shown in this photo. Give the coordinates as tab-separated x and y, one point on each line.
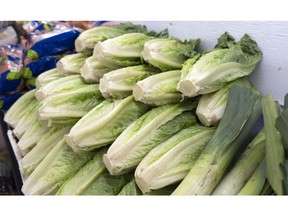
127	111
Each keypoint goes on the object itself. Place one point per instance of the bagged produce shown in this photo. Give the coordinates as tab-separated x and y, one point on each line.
51	38
11	69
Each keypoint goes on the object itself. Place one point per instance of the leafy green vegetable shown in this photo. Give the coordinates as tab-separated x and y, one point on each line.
18	109
168	53
60	164
30	137
92	70
152	128
119	83
244	167
46	77
104	123
275	154
27	120
87	40
170	161
121	51
85	176
60	85
71	105
233	132
159	89
43	146
108	184
256	183
219	66
211	106
71	64
130	189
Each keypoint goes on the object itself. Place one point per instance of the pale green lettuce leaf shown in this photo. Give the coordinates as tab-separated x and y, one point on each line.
104	123
145	133
59	164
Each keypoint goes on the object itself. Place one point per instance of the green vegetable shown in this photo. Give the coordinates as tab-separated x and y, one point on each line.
59	165
256	183
104	123
87	40
18	109
130	189
30	137
71	105
243	109
171	160
152	128
107	184
92	70
29	118
211	106
121	51
275	154
63	84
282	124
159	89
85	176
119	83
219	66
47	77
43	146
168	53
71	64
244	168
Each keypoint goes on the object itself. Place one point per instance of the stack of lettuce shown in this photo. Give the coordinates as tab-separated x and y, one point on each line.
137	112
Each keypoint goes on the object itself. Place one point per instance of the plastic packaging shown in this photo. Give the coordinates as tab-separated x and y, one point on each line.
11	68
51	38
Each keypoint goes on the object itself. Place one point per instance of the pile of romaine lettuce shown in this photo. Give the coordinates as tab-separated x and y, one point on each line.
133	111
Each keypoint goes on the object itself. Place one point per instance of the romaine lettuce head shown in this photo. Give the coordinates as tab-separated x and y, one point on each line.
122	51
168	53
27	120
119	83
18	109
47	77
60	85
91	171
107	184
219	66
71	64
92	70
43	146
59	165
211	107
87	40
145	133
69	105
130	189
159	89
104	123
31	137
171	160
